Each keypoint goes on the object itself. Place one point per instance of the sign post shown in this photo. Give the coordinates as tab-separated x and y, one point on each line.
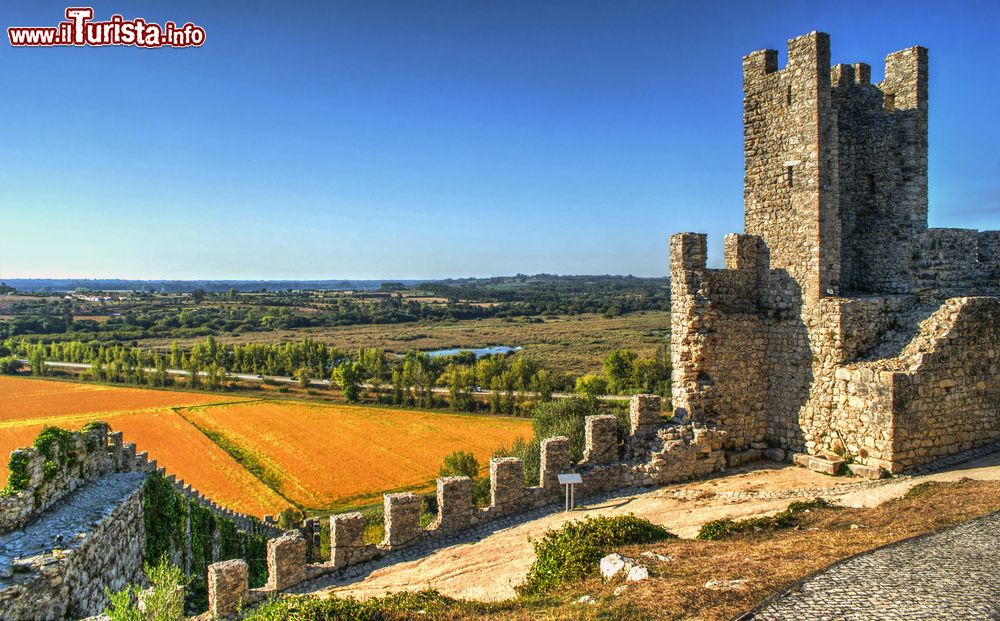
570	480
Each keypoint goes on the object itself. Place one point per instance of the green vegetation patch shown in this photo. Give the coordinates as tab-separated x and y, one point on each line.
789	518
167	515
426	604
573	551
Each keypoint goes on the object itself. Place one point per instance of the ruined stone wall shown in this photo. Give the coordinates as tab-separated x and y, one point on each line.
71	583
657	454
49	478
948	399
835	205
719	337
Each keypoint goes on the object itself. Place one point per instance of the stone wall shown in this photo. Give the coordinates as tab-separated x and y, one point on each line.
70	583
794	344
92	454
66	576
669	453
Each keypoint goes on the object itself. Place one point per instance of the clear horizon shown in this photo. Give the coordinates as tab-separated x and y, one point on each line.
346	141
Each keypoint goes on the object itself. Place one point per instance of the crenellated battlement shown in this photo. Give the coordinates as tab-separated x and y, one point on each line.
652	454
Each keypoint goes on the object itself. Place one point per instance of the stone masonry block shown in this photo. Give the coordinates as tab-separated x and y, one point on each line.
228	587
506	482
454	498
555	460
601	435
286	561
347	537
644	415
402	519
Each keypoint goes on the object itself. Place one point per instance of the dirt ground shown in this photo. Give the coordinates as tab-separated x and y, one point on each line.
489	569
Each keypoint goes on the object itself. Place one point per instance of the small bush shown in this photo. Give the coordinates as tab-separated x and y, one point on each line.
720	529
573	551
921	489
9	365
163	601
398	606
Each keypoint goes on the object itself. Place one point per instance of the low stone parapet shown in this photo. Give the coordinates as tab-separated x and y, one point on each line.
402	520
228	587
601	438
286	561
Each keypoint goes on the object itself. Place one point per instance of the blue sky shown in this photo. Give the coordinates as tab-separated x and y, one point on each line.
442	138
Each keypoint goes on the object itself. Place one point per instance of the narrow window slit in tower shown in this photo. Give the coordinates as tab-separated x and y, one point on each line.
790	176
870	179
788	96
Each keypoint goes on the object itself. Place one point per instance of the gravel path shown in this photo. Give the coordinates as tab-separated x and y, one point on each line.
951	575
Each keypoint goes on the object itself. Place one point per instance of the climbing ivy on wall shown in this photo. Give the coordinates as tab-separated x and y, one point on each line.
55	445
168	514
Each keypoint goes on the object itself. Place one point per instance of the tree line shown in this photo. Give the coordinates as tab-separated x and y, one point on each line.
516	382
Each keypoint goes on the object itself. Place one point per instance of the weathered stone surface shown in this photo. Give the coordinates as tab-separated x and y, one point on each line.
832	467
830	328
775	454
286	561
506	483
402	519
454	500
228	587
615	566
866	472
347	538
644	415
601	439
555	460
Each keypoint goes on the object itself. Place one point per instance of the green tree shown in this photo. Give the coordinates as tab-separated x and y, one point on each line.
459	464
163	601
9	365
460	381
619	368
348	375
591	385
302	376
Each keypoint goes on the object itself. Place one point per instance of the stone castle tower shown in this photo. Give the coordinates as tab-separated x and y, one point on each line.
838	323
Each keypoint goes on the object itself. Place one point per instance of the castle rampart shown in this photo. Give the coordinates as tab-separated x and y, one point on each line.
837	264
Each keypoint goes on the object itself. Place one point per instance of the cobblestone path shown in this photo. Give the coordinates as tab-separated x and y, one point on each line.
952	575
68	519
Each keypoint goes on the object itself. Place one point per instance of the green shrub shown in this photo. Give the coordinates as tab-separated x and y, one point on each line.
720	529
163	601
573	551
404	605
9	365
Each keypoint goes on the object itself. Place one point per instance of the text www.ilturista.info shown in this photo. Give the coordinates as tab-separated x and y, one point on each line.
79	29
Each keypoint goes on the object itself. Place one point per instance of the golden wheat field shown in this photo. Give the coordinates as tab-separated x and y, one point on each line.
326	456
145	417
259	456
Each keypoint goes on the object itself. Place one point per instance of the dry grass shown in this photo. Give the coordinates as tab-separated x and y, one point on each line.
327	456
768	563
571	344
